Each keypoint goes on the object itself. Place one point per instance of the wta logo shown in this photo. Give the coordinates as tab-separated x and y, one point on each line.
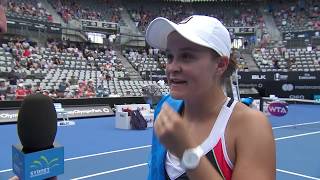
278	108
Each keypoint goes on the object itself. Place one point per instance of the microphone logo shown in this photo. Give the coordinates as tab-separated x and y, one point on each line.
42	166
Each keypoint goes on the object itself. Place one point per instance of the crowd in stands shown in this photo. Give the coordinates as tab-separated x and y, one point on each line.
99	10
100	64
285	59
299	15
28	8
146	60
237	14
11	91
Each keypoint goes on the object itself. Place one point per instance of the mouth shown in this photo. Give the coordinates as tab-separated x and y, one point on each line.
177	82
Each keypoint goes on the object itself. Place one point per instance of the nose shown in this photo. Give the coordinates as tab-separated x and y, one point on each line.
173	66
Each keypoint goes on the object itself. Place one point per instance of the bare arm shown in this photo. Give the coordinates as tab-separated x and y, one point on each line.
255	151
255	148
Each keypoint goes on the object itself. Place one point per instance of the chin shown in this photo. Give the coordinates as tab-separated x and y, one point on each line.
177	95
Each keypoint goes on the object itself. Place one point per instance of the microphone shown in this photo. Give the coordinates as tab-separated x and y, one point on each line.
37	157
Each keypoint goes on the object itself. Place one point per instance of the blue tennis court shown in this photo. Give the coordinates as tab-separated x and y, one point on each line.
94	149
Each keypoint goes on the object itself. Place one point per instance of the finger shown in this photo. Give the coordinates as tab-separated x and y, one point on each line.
171	117
156	124
170	112
158	127
165	120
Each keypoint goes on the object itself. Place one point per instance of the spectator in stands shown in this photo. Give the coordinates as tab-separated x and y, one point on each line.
73	81
56	60
28	89
29	63
78	94
82	87
102	91
50	18
90	90
62	87
52	93
245	44
68	93
275	63
13	77
46	92
3	90
37	88
26	52
105	76
20	92
10	94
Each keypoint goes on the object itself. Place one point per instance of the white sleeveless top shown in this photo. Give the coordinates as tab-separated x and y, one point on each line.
172	163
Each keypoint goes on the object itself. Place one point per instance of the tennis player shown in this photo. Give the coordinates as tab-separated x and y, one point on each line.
199	133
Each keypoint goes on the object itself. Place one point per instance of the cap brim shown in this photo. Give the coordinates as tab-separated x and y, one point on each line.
159	29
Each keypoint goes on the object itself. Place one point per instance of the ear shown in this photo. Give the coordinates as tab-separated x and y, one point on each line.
222	65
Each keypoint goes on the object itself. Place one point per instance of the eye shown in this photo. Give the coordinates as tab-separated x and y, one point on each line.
170	58
187	57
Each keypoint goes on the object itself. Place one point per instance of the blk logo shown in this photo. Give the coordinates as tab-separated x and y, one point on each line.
255	76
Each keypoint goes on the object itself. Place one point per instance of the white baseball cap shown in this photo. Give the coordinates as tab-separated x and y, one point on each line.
202	30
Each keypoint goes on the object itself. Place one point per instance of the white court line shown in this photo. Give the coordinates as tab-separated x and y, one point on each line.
5	170
98	154
293	125
111	171
109	152
297	174
297	135
141	147
144	164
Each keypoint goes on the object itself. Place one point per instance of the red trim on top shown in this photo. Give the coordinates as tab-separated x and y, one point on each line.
222	163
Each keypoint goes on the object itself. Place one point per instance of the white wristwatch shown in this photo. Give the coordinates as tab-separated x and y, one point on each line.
191	158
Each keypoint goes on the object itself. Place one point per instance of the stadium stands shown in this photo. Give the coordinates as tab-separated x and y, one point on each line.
50	66
299	59
28	10
89	10
143	61
297	16
232	14
70	72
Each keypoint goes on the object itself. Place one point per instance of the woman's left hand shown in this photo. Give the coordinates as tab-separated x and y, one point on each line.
172	131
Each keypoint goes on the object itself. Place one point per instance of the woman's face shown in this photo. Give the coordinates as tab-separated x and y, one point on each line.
191	68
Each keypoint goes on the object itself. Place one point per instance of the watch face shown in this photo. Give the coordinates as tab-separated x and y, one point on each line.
190	160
